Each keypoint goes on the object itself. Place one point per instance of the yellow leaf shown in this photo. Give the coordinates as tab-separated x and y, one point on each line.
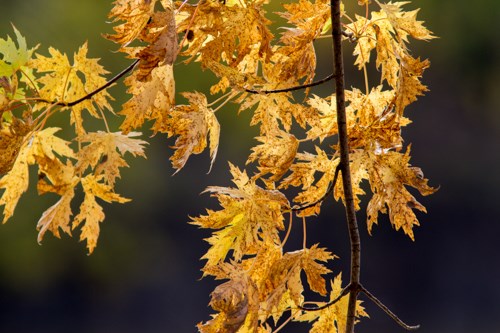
304	175
41	147
285	277
251	217
105	152
333	318
135	14
91	212
57	216
389	173
192	124
65	82
151	100
275	154
15	182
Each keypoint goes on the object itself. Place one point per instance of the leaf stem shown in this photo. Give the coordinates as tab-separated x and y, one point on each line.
345	168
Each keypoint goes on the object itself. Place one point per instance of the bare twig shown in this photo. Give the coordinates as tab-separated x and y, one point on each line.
345	168
344	292
327	193
387	311
316	83
91	94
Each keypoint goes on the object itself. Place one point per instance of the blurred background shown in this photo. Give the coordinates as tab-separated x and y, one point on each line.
144	274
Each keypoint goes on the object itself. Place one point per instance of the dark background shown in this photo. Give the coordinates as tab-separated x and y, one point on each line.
144	274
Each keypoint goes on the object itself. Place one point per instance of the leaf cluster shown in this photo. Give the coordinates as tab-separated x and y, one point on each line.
246	248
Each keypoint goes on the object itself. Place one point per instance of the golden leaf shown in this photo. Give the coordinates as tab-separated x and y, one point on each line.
40	148
275	154
105	153
285	277
91	212
251	217
135	15
64	83
151	100
333	318
389	173
192	124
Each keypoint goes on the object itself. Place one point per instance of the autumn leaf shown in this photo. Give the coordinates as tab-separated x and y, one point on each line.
389	173
237	302
285	277
14	57
134	14
304	175
68	82
192	124
251	216
151	100
41	147
58	216
275	154
105	152
333	318
91	212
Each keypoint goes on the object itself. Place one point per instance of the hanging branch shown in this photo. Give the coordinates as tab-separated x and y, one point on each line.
91	94
338	66
387	311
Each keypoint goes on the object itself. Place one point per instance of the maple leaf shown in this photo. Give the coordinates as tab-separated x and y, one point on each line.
389	173
285	277
41	147
377	126
192	124
13	57
12	137
105	153
275	154
275	110
405	23
234	40
333	318
57	216
91	212
135	14
251	217
365	40
237	302
66	82
409	85
297	58
304	175
151	100
161	36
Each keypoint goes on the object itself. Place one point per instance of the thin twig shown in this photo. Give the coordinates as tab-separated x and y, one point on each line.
327	193
352	223
344	292
387	311
316	83
91	94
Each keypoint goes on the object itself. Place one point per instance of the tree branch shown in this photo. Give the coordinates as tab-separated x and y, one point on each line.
316	83
387	311
345	168
91	94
